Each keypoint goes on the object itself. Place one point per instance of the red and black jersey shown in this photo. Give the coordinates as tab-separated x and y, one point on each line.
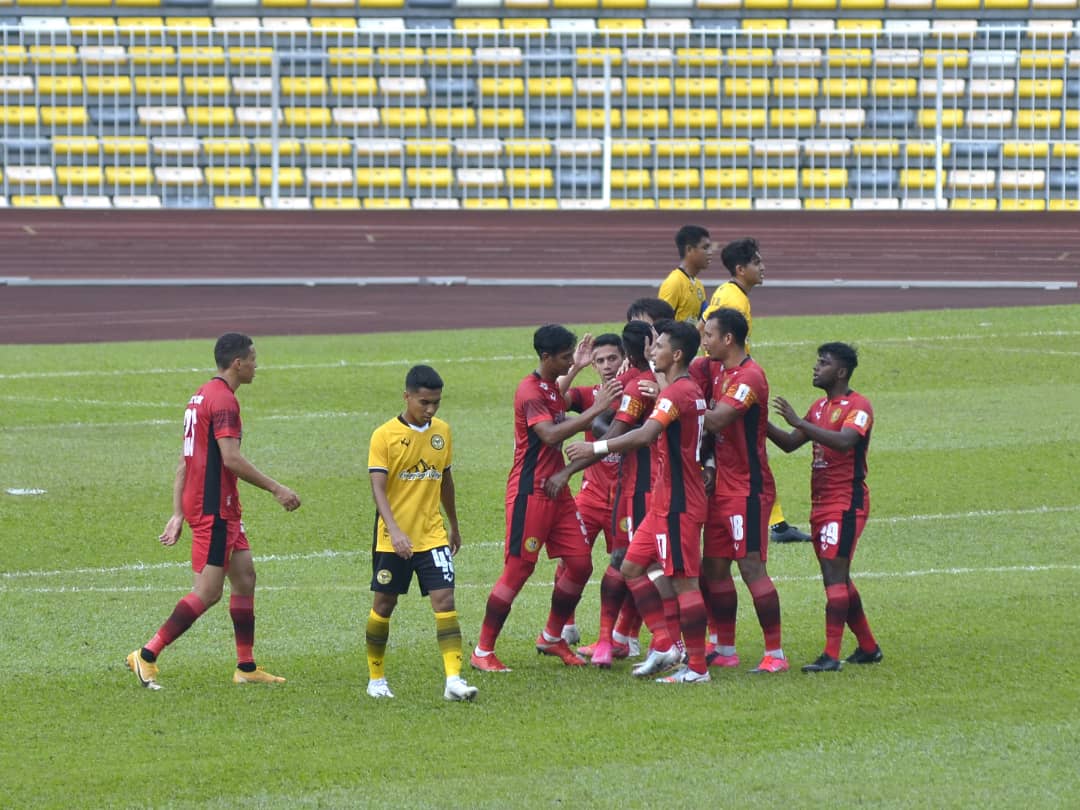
536	400
742	464
600	478
209	486
677	483
635	475
838	478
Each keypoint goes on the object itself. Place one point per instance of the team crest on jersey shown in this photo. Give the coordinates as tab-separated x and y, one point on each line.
384	576
835	415
532	545
438	442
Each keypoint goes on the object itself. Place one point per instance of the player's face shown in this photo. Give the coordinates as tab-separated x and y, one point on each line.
754	271
712	340
663	356
560	362
245	367
607	360
699	255
421	405
825	371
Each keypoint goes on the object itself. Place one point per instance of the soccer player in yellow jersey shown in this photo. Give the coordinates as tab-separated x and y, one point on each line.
682	288
743	261
409	465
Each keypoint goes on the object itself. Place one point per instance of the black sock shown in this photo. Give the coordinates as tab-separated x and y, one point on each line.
147	656
247	666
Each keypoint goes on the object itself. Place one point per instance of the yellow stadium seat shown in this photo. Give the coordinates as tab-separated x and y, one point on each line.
157	85
654	87
1025	149
680	203
826	203
750	57
697	88
849	57
13	54
354	86
917	178
926	149
795	88
594	118
677	179
813	5
729	204
976	204
404	117
227	147
535	204
594	57
59	85
446	57
1005	4
186	25
386	203
727	147
1066	150
774	178
742	119
824	178
678	147
235	203
229	176
856	26
336	203
1025	119
746	88
530	178
621	25
307	116
79	175
951	58
304	86
529	26
453	117
504	87
950	118
658	118
125	147
477	24
761	5
633	204
211	116
64	116
487	204
53	54
251	57
851	87
698	57
350	56
288	177
213	86
1010	204
81	145
16	116
792	117
1032	58
1039	88
895	88
400	56
527	147
429	177
1065	205
328	147
428	147
875	148
151	55
35	201
204	55
554	86
505	118
631	178
332	26
129	175
287	147
765	24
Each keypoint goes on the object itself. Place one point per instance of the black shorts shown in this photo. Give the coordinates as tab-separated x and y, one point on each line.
434	571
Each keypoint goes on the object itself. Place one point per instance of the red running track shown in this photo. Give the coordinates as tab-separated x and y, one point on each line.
636	247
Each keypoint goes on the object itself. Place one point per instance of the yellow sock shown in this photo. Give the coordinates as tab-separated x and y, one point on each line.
378	631
777	514
448	633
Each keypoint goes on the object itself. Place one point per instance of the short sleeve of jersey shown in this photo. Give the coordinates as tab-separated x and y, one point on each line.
860	418
666	410
225	417
378	455
632	405
742	391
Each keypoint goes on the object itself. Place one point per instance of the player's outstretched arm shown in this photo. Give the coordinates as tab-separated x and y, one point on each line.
552	434
786	441
245	470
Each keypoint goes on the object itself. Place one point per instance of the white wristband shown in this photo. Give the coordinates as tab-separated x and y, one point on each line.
599	448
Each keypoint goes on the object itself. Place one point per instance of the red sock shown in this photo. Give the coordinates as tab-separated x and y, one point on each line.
242	610
651	608
856	620
767	605
185	613
671	616
515	572
722	603
567	592
613	593
836	611
560	570
692	618
629	623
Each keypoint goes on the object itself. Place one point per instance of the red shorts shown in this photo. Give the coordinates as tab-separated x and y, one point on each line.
630	512
535	520
213	541
736	527
596	515
837	533
674	541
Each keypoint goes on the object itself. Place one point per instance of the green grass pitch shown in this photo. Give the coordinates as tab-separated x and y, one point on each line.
968	569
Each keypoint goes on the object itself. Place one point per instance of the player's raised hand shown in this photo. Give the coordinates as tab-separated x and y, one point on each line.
608	393
584	350
783	407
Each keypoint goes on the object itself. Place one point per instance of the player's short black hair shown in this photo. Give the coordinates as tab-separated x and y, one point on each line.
843	353
731	321
609	339
688	237
423	377
635	336
655	308
551	338
682	336
741	251
230	346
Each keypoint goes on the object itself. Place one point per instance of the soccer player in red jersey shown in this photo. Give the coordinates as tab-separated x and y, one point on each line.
533	518
205	495
737	528
595	499
671	531
839	425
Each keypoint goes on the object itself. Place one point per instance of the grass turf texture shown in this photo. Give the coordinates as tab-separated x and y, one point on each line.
967	568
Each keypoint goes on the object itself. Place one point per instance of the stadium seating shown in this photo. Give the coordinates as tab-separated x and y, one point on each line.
830	104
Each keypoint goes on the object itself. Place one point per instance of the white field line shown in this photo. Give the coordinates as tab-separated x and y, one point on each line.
362	364
332	554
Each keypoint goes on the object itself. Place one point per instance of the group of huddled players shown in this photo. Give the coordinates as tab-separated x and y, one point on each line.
675	475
